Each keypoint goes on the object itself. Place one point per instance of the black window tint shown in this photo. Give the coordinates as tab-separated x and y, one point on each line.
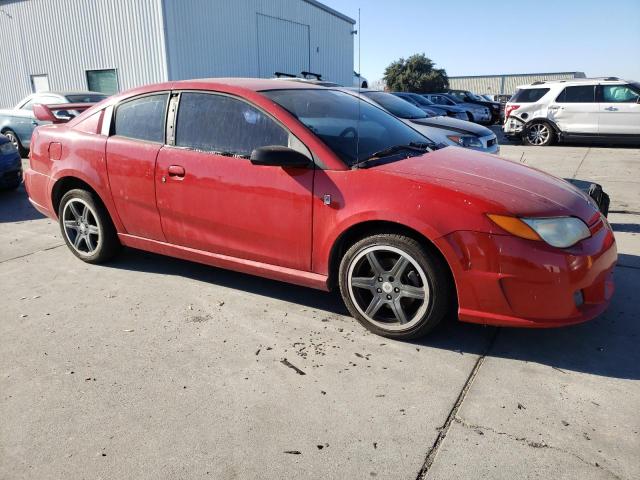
529	95
578	94
218	123
142	118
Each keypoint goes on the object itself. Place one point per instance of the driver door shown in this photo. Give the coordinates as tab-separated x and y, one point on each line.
212	198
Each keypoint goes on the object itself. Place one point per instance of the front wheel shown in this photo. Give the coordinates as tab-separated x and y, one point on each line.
539	134
394	287
86	227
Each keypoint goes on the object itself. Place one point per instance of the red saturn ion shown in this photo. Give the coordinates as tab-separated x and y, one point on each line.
309	185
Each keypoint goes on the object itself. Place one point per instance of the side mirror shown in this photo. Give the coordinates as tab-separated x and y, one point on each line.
279	156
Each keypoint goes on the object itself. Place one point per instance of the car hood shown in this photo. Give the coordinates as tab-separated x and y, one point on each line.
460	126
508	187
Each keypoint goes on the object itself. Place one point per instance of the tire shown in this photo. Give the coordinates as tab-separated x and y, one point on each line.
539	134
470	115
11	135
86	227
414	295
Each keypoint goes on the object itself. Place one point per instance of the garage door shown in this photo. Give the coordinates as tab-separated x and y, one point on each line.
283	46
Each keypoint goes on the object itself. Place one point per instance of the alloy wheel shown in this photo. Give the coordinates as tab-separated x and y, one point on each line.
13	139
539	134
388	287
81	227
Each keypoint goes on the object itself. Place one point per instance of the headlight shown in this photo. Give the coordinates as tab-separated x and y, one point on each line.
466	141
7	148
560	232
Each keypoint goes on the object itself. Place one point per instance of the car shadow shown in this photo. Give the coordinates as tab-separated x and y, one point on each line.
606	346
15	206
626	227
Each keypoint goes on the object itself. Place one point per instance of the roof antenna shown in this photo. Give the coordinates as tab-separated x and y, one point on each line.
359	85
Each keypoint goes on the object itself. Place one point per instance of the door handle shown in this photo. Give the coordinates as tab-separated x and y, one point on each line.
611	109
176	171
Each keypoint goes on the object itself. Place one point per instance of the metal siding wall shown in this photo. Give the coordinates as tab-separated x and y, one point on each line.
219	38
64	38
505	84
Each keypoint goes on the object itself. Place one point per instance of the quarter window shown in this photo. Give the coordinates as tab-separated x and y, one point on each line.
222	124
619	94
577	94
142	118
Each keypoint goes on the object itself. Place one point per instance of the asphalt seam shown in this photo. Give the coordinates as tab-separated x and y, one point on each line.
433	451
533	444
32	253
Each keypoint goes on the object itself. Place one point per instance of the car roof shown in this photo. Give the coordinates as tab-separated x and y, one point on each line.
254	84
577	81
64	94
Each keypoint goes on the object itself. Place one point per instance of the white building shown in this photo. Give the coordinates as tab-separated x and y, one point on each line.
113	45
505	84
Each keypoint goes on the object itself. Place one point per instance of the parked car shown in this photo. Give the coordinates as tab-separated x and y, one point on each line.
577	109
360	81
10	165
442	131
313	186
476	113
469	97
18	123
426	104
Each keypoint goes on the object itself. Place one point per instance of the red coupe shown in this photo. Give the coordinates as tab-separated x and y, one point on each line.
309	185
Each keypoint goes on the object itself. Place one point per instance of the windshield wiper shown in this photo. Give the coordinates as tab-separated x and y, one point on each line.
419	147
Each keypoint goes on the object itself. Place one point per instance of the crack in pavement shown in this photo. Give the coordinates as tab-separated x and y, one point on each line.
431	454
524	440
32	253
581	162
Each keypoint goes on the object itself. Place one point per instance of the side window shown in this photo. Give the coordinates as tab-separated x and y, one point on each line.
142	118
578	94
619	94
217	123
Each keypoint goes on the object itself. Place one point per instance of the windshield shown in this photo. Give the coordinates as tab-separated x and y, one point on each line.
395	105
422	100
85	98
339	118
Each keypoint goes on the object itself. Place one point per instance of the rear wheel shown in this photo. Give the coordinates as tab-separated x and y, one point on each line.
13	138
86	227
394	287
470	115
539	134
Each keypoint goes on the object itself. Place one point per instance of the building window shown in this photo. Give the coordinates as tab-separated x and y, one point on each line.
104	81
39	83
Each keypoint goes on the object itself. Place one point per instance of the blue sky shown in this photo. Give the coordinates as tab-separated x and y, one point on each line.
468	37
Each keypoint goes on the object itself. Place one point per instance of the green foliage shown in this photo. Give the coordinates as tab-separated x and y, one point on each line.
416	74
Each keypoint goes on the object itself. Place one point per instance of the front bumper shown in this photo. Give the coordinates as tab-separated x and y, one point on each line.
507	281
10	170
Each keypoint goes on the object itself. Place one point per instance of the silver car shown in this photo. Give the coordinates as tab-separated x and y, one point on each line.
477	113
440	130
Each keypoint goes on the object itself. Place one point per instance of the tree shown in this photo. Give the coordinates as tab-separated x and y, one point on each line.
416	74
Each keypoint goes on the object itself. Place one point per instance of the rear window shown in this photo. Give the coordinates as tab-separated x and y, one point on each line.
86	98
578	94
529	95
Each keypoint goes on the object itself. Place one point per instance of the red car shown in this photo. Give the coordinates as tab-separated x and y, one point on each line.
309	185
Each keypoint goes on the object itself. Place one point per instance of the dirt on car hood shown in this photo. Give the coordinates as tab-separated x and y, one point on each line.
517	188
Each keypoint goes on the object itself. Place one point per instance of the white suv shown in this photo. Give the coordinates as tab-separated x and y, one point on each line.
578	109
